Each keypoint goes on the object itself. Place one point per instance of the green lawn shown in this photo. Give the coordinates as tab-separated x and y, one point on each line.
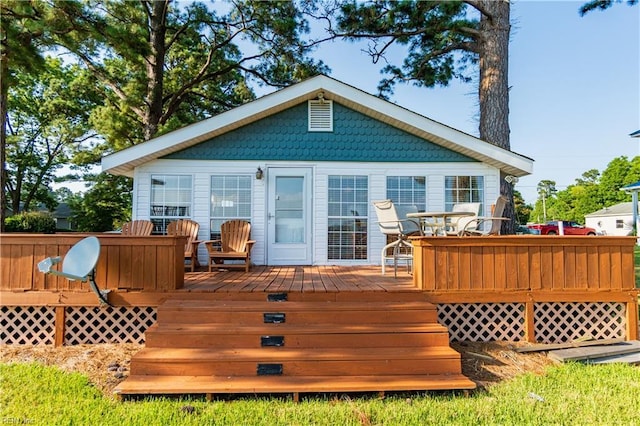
568	394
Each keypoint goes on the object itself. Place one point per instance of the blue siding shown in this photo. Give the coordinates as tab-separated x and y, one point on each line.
284	137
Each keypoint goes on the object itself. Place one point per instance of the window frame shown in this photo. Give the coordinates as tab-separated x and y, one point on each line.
400	200
479	190
160	221
216	221
348	228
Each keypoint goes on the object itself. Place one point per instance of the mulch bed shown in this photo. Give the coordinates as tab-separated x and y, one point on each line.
106	365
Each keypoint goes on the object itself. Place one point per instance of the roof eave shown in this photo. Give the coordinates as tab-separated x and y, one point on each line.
124	162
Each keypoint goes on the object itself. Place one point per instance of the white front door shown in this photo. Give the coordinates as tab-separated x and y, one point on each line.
289	216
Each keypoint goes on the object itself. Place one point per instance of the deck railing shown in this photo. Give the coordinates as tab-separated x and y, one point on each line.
153	263
530	271
524	263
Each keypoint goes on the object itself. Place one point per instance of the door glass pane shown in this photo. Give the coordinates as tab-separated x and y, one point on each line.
289	211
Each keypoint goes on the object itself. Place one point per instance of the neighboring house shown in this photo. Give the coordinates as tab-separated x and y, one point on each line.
303	165
62	215
615	220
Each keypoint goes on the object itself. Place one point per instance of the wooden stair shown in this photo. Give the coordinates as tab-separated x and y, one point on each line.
239	346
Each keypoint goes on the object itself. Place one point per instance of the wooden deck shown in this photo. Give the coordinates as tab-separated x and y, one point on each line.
542	280
304	279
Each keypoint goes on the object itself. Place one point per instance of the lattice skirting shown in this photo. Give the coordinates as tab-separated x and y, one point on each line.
28	325
553	322
483	322
110	325
83	325
478	322
563	322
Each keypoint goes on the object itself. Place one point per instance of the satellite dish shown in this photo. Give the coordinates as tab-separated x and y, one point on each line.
79	264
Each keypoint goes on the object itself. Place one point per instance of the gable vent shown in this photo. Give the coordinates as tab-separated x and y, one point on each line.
320	116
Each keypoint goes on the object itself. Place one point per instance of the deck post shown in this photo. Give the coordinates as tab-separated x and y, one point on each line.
529	321
632	318
59	326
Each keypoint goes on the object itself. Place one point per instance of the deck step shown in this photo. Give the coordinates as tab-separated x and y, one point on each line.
142	385
260	346
325	362
233	312
296	336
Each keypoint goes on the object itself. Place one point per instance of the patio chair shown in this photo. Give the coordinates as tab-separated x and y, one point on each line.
392	224
234	245
137	227
189	229
461	222
475	227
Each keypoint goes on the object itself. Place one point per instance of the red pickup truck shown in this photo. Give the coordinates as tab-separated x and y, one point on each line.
569	228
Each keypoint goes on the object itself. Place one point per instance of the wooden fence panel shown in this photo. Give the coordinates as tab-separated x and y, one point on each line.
153	263
524	263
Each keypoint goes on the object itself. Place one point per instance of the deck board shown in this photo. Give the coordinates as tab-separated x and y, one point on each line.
305	279
272	384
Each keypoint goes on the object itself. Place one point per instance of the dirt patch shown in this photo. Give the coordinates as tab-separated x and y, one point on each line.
106	365
493	362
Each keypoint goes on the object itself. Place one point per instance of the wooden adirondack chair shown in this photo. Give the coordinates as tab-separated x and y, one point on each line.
189	229
137	227
234	244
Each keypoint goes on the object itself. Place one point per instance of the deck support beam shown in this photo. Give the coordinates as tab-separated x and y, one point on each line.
60	326
529	322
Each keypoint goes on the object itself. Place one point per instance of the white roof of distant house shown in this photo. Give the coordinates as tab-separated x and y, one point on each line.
621	209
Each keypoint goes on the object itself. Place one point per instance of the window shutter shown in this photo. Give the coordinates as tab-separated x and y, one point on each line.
320	116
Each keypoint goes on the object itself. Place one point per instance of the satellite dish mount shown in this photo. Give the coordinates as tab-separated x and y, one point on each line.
79	264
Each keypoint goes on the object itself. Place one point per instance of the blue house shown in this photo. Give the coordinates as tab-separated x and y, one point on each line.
303	165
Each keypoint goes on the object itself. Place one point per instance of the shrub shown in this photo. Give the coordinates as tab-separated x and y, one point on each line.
40	222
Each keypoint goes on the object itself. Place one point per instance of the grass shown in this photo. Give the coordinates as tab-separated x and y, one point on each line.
567	394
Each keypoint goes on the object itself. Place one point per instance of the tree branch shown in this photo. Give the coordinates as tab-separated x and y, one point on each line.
477	4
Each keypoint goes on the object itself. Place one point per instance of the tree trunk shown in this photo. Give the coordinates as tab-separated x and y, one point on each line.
155	67
493	90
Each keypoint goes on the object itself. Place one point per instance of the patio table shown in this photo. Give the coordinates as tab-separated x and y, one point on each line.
438	222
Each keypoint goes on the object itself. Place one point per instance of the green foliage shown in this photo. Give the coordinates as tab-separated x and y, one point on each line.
47	126
39	222
585	394
440	39
601	5
105	205
523	210
591	192
164	66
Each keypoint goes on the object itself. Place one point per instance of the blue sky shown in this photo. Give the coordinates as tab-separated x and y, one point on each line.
575	88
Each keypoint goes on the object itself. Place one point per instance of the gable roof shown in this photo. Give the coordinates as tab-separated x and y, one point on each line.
632	187
620	209
123	162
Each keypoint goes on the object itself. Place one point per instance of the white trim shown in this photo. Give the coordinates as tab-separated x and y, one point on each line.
124	162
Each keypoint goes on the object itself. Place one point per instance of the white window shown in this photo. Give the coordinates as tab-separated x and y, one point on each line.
463	189
320	116
407	191
171	197
230	199
348	217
